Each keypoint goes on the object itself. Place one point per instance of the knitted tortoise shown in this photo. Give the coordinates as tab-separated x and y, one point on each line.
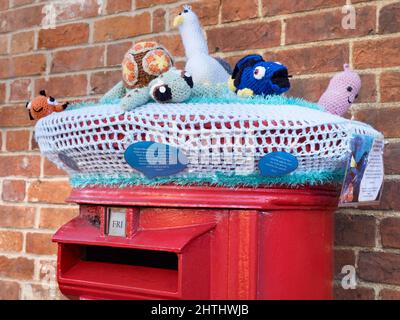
142	63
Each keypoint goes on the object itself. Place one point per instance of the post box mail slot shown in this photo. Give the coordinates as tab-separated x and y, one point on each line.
167	263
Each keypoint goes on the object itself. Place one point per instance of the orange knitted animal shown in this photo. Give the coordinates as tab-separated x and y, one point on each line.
42	106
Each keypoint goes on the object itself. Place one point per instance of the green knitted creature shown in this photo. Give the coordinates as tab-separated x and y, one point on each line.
173	86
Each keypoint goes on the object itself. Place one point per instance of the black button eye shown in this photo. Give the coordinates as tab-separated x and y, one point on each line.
186	11
52	99
162	93
188	78
180	13
356	96
349	89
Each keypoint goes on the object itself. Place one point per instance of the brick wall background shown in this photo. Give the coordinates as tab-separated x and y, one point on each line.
80	58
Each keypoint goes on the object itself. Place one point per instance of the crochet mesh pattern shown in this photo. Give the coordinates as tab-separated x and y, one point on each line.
223	138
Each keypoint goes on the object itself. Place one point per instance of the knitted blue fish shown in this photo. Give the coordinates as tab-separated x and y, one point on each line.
255	76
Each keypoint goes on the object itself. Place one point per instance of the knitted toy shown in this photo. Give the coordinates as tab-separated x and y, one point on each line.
142	63
173	86
42	106
255	76
342	91
200	64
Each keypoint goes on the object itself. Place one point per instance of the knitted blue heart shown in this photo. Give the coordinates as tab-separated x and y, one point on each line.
277	164
155	159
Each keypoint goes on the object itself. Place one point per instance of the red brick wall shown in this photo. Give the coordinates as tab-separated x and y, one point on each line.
80	59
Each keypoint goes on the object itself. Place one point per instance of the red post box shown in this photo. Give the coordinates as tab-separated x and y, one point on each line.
195	242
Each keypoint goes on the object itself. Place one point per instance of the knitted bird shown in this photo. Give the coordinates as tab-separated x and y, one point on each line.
342	91
200	64
42	106
255	76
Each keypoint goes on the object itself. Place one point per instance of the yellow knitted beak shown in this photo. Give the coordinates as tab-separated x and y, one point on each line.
178	21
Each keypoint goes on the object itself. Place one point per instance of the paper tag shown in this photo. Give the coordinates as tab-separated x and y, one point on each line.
364	173
155	159
277	164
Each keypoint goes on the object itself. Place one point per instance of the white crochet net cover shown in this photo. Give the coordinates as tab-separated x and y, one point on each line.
227	138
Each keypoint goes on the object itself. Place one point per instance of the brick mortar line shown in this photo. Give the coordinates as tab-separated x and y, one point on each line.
370	249
150	10
29	256
1	190
167	20
374	71
26	190
19	153
358	38
36	270
3	140
283	32
174	4
376	105
23	253
288	16
379	214
392	177
61	74
378	237
111	68
64	177
260	8
343	40
351	53
377	285
319	43
28	230
21	281
371	285
41	174
378	86
20	103
31	137
39	206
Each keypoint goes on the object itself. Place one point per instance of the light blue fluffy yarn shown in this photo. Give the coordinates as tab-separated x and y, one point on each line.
90	104
217	179
224	96
228	97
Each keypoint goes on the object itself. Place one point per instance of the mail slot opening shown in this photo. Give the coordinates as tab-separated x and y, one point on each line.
136	270
132	257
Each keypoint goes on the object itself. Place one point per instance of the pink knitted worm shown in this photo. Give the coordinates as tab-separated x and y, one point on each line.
343	89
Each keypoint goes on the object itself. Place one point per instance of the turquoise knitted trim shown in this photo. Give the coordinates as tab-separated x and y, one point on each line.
226	98
219	179
230	98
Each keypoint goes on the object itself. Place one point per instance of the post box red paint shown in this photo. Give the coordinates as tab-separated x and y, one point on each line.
199	243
